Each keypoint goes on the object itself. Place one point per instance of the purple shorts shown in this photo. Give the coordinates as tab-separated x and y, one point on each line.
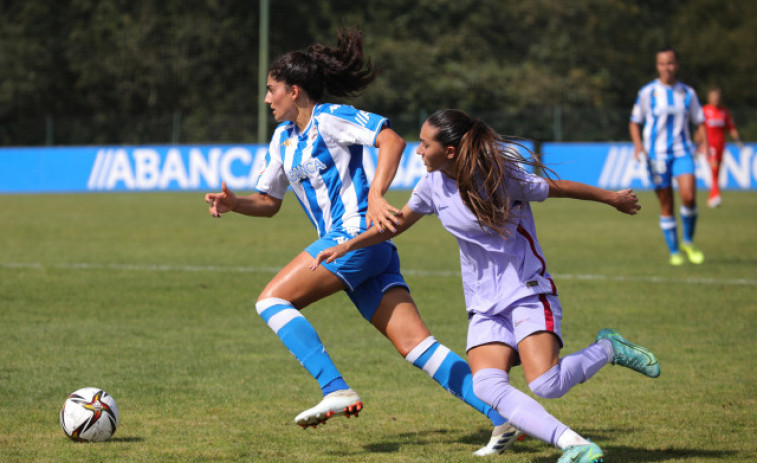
532	314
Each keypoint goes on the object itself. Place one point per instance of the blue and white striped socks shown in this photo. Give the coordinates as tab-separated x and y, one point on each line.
689	221
452	373
299	336
669	232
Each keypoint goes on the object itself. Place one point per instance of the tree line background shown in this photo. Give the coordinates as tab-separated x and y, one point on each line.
79	72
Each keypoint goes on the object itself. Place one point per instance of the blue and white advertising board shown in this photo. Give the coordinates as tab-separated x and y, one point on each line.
204	167
613	166
155	168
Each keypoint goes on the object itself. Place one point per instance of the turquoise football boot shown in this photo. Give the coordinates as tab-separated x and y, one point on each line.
589	453
630	355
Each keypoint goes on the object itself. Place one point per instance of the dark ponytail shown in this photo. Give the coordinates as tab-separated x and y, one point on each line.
483	162
342	71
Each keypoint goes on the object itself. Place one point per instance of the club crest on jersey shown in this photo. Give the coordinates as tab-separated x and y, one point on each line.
305	170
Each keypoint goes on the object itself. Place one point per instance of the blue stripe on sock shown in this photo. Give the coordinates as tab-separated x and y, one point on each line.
299	336
273	310
334	385
454	375
424	358
689	222
670	232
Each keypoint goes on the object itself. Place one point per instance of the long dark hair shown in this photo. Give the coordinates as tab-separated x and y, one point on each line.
483	162
342	71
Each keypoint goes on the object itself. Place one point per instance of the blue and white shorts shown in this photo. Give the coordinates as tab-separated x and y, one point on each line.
368	272
663	171
532	314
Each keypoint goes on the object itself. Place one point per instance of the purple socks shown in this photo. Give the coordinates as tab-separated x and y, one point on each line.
493	387
571	370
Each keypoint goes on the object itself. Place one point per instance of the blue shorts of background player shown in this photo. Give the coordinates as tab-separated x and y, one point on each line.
368	273
663	171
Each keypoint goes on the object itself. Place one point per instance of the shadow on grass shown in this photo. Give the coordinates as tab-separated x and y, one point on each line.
622	454
475	440
618	454
404	439
125	439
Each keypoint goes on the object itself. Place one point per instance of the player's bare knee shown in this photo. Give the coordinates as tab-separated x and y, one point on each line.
409	343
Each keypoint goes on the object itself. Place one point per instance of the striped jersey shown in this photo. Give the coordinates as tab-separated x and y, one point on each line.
324	166
667	112
496	271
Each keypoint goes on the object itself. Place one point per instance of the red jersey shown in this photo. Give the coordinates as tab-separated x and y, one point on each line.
717	120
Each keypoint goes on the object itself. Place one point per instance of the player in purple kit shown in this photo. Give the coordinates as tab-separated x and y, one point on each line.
476	186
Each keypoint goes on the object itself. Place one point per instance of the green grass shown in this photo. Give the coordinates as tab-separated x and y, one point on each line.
147	297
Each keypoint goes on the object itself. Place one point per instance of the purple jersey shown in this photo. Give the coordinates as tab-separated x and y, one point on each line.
496	272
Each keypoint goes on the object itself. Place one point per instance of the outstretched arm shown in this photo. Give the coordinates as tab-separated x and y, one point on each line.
405	219
390	147
624	200
256	204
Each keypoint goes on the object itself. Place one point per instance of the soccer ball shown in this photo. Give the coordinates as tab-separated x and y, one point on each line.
89	415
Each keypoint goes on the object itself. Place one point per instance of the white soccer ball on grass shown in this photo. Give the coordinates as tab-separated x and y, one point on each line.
89	415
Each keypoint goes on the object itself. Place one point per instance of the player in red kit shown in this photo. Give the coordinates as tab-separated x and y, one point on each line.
718	120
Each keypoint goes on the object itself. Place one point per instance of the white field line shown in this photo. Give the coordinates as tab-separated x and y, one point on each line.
413	272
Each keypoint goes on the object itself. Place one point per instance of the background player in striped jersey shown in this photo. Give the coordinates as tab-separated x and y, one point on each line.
718	121
666	108
317	150
481	195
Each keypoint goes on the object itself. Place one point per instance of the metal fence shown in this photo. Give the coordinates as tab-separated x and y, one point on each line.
541	123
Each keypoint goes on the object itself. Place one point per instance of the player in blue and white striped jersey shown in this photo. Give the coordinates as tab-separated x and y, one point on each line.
317	150
666	108
323	165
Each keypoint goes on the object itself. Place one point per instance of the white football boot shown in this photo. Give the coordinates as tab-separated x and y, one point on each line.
502	438
345	402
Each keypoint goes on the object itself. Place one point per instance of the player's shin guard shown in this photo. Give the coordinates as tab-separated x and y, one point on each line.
670	232
523	412
452	373
689	220
299	336
571	370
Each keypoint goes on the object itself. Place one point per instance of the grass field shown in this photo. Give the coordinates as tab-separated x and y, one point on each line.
147	297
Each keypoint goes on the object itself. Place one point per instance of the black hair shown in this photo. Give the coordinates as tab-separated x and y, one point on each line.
342	71
666	49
